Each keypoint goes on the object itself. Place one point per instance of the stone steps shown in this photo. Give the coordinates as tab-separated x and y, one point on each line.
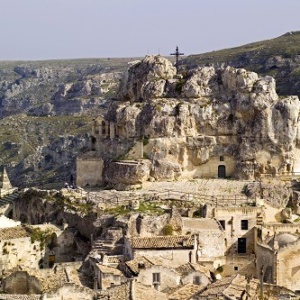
8	199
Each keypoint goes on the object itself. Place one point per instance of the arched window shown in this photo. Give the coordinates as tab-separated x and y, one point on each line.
103	127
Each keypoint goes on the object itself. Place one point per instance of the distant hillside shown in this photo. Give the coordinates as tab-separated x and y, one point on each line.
278	57
46	109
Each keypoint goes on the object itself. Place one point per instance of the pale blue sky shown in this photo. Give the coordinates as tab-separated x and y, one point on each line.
49	29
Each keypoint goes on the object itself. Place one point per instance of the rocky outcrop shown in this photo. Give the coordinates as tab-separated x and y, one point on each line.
207	123
278	57
124	173
146	79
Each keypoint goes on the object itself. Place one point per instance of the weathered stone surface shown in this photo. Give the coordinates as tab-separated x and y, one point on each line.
146	79
128	172
196	123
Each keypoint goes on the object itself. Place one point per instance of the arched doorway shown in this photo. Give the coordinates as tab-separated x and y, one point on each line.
221	171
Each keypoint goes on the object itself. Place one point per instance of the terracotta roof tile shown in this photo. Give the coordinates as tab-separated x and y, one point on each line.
163	242
109	270
13	233
186	292
185	269
138	262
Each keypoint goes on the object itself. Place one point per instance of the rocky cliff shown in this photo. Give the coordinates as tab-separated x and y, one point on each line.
207	123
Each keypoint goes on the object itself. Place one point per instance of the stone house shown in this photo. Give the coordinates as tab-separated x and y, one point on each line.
29	246
153	272
89	168
70	291
106	276
239	225
194	274
237	287
210	238
17	249
218	166
176	250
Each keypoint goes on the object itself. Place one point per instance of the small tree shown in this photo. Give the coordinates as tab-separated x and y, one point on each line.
167	229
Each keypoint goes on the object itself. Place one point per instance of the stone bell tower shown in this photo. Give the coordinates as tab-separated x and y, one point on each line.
4	180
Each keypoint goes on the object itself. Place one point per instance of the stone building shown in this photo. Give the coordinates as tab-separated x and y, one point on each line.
18	250
5	185
236	287
175	250
155	272
239	225
278	260
106	276
210	238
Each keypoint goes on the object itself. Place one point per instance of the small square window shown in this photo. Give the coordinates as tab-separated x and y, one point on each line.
221	158
196	280
236	268
244	224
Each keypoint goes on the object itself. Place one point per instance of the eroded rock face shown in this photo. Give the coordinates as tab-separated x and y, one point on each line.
128	172
146	79
206	123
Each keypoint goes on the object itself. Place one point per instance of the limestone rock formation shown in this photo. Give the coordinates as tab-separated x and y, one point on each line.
207	123
146	79
128	172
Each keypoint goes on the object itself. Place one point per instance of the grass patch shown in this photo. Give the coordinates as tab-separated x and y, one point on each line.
41	236
118	210
150	208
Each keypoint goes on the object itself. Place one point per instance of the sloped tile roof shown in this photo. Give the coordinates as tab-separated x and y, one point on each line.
135	264
232	287
109	270
163	242
115	259
14	233
186	292
185	269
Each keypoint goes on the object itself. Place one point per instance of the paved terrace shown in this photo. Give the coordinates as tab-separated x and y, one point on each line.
220	192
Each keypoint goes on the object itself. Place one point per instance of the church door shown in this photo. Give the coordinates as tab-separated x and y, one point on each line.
221	171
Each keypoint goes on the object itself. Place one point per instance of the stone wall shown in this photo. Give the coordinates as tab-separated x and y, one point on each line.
71	291
211	167
168	277
211	245
172	258
22	283
89	171
288	266
232	219
265	260
20	252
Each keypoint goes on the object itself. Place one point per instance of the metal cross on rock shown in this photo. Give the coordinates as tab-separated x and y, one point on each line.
177	54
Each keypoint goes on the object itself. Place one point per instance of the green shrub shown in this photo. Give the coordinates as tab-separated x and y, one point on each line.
167	229
178	87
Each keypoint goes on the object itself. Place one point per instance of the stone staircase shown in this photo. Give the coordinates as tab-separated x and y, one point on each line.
103	245
9	198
